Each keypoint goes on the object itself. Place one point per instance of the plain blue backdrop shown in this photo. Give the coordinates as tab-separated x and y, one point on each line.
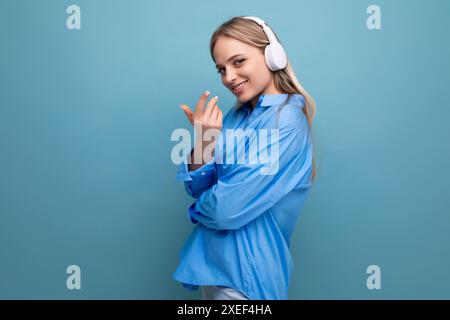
86	118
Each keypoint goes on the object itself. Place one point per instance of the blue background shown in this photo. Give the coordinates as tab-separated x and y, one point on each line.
86	118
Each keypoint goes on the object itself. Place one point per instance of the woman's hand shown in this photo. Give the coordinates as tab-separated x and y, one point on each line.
209	117
203	119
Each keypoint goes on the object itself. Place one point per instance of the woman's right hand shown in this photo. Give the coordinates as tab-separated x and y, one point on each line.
204	119
209	117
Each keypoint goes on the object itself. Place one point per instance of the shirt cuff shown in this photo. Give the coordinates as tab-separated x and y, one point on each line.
184	174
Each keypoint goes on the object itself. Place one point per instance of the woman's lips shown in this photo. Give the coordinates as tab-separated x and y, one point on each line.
241	87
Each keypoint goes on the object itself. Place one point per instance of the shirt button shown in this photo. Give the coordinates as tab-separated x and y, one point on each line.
202	173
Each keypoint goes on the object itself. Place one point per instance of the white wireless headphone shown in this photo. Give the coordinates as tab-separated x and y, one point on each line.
274	54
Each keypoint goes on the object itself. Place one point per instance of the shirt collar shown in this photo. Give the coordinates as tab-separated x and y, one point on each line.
267	100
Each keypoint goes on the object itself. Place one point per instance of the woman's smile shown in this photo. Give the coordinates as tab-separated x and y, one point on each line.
240	87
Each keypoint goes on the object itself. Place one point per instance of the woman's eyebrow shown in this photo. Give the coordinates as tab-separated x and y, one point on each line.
239	54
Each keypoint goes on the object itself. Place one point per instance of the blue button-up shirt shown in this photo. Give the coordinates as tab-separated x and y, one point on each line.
243	218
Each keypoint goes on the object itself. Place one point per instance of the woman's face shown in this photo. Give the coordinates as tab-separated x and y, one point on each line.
239	63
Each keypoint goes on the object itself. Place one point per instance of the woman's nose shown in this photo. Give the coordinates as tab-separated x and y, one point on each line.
230	77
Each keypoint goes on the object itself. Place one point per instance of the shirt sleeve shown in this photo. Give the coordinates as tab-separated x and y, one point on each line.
245	193
197	181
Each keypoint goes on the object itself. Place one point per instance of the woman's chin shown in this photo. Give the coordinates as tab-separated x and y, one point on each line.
242	98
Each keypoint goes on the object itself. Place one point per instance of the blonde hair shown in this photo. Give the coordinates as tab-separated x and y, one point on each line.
285	81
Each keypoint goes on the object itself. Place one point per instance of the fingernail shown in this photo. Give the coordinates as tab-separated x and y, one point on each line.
207	92
216	97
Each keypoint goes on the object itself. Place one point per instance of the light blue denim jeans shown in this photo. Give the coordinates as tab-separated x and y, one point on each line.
221	293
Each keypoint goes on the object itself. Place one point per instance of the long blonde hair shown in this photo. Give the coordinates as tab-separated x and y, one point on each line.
285	81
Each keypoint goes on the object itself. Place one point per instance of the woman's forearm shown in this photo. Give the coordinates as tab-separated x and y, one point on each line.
197	158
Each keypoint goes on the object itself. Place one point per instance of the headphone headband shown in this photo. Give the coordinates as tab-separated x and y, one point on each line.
274	53
265	27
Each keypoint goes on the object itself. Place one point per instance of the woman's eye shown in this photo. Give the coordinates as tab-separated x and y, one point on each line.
236	62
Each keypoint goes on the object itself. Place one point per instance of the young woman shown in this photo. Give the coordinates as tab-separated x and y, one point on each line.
244	215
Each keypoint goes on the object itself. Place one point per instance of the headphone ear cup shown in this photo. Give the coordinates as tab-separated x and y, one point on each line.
275	56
